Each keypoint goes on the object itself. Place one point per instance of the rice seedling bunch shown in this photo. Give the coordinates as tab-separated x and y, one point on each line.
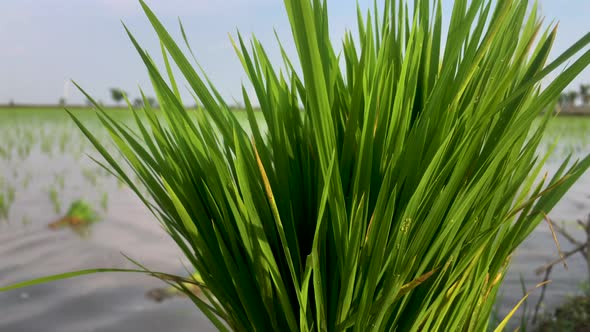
79	218
80	209
391	184
384	185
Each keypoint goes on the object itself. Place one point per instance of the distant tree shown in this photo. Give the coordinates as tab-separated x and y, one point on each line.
88	103
563	100
62	101
571	98
152	102
117	94
11	103
585	93
138	102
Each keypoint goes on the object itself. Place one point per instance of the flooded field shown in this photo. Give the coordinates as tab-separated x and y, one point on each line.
44	168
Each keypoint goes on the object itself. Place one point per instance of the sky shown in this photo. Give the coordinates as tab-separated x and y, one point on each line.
46	43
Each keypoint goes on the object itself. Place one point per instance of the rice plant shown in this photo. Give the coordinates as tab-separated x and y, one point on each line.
46	144
24	142
384	188
79	218
104	201
4	207
60	180
79	153
10	194
26	221
79	213
90	175
4	153
27	180
55	201
7	196
64	139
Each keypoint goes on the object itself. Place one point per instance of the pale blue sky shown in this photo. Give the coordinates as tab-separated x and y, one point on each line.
44	43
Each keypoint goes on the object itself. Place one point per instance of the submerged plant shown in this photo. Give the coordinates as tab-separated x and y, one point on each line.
392	181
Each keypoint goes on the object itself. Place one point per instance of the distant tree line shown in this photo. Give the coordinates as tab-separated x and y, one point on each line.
118	95
569	98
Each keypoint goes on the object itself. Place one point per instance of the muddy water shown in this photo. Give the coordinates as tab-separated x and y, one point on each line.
48	154
539	248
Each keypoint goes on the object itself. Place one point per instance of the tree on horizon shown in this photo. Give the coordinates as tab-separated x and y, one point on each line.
585	93
571	98
138	102
117	94
152	102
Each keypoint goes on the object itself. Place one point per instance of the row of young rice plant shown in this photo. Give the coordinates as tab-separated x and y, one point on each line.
571	134
49	132
7	193
41	151
393	180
